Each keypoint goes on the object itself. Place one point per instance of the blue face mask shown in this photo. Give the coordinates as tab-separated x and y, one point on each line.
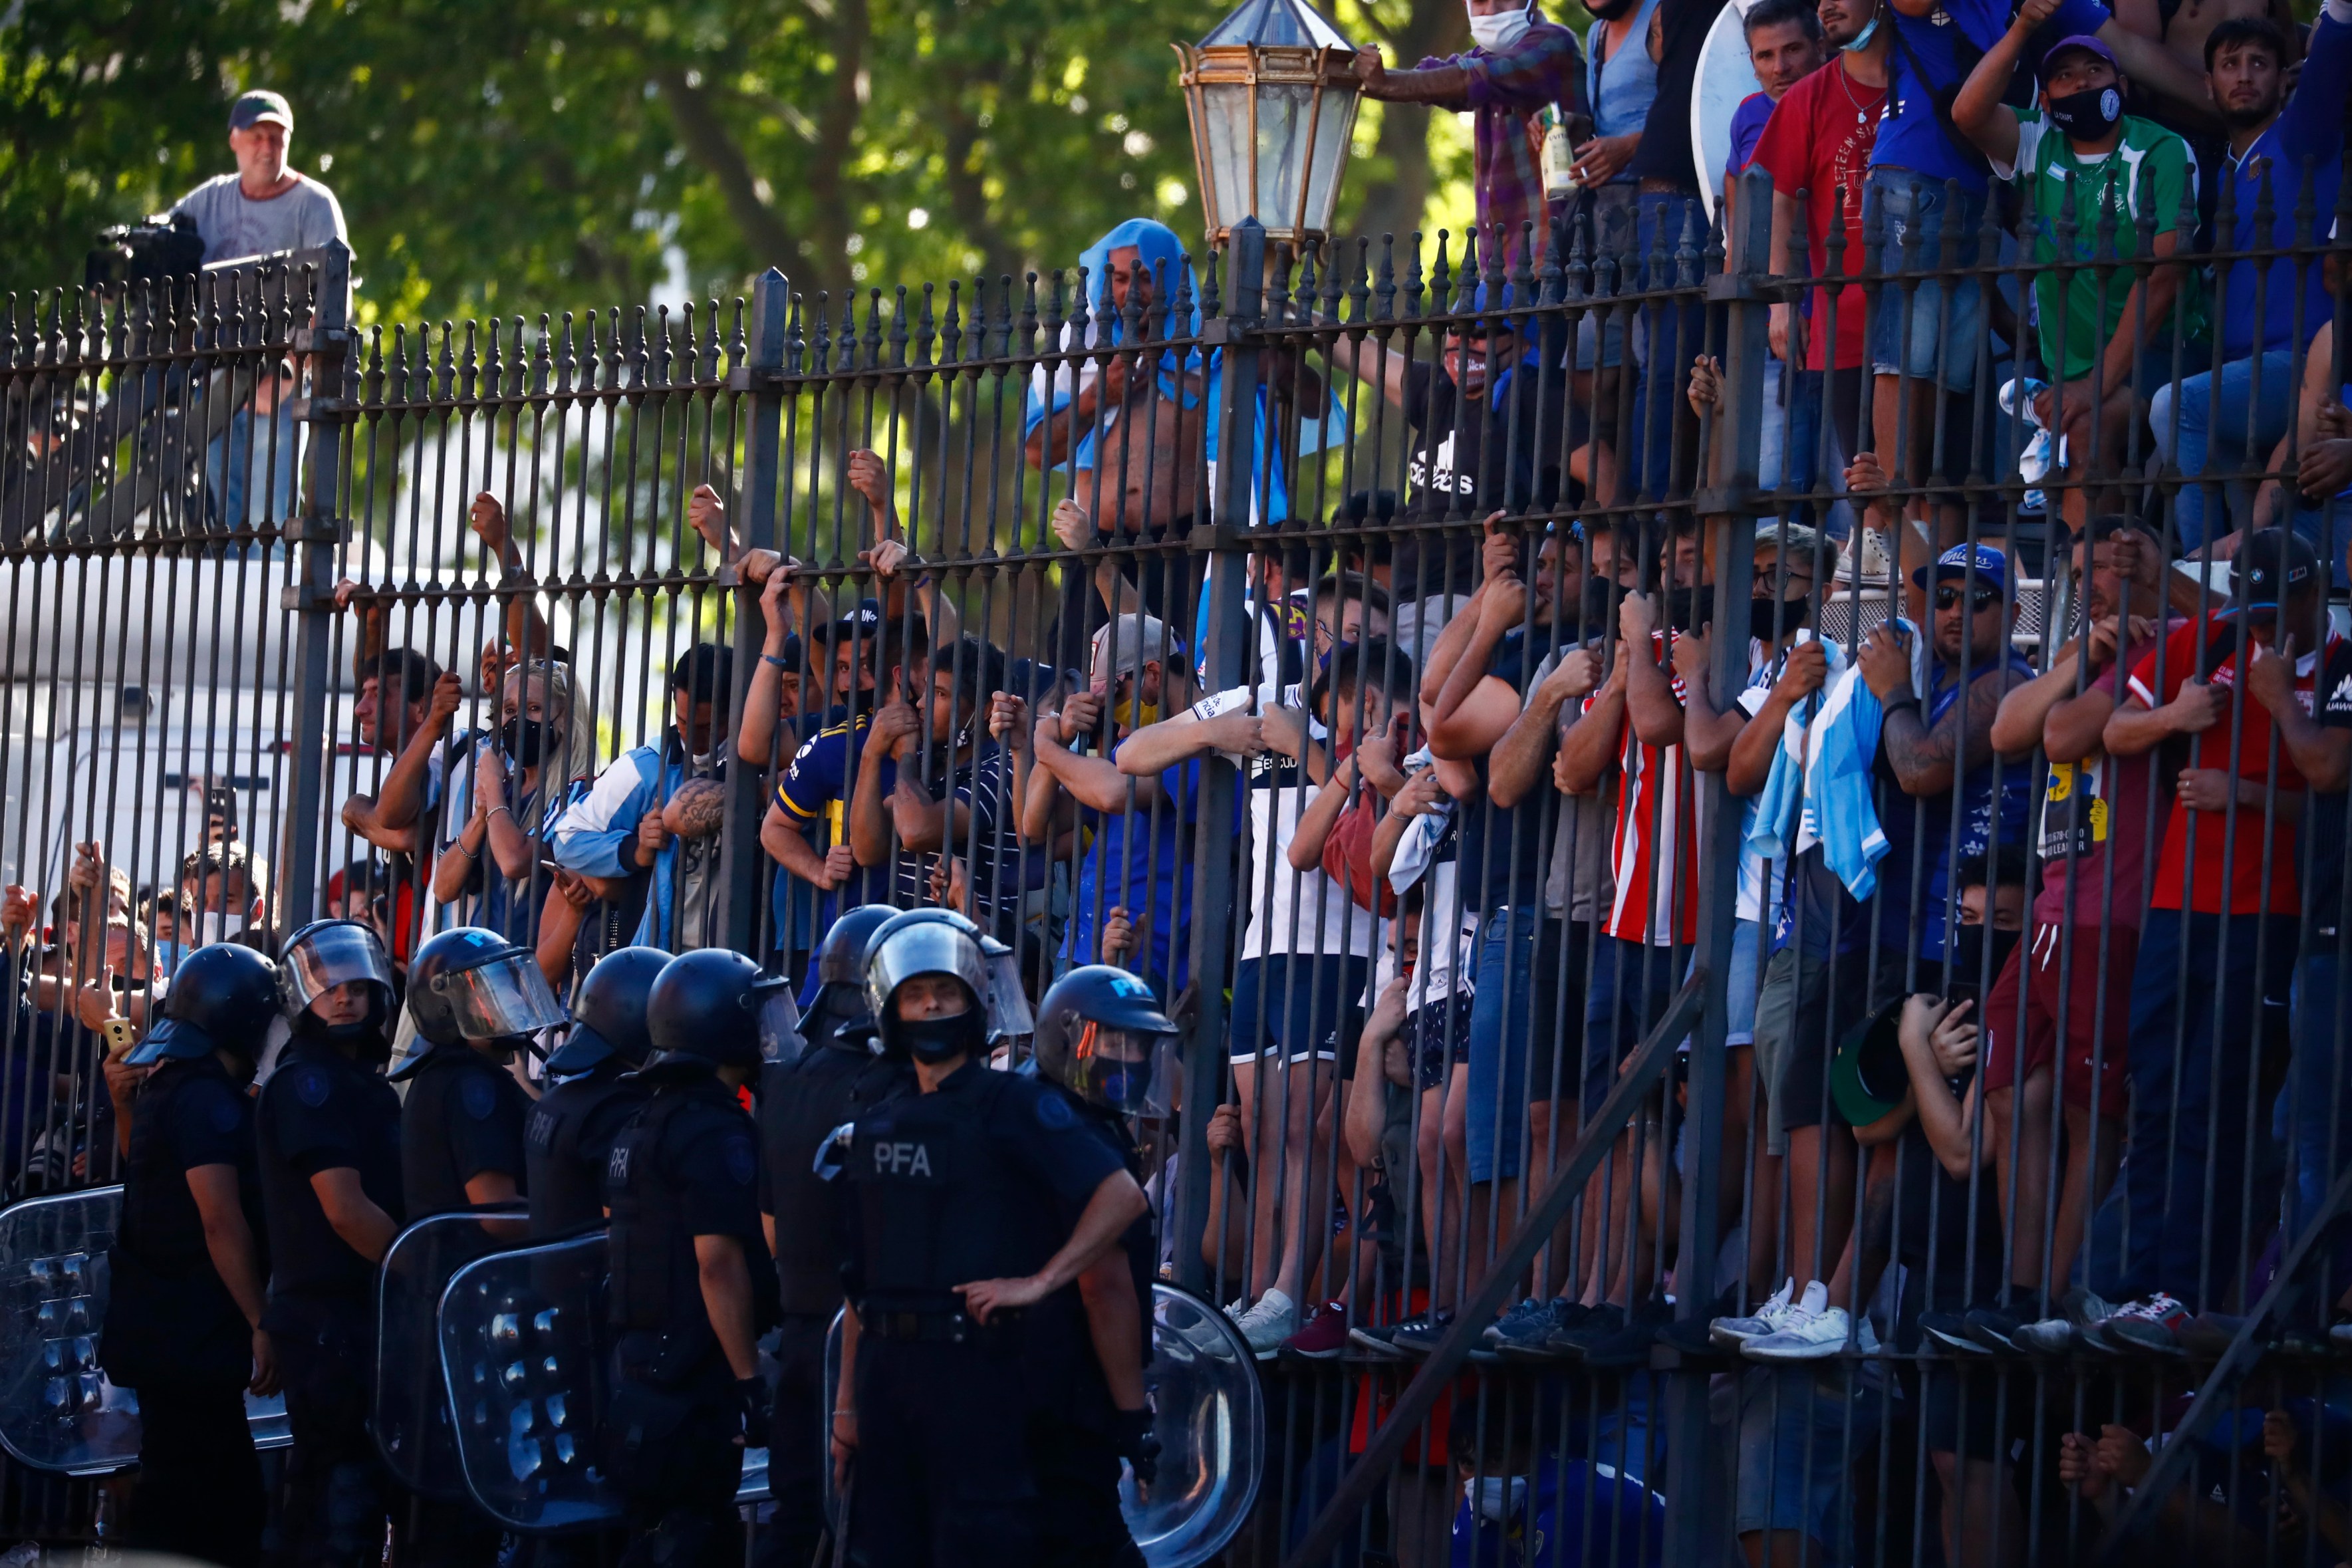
1862	39
167	955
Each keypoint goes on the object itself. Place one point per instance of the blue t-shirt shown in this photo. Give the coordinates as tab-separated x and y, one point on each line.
1143	856
1923	824
817	786
1748	123
2305	135
1912	135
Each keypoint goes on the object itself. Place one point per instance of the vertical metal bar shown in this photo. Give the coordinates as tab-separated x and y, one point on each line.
313	586
1229	644
762	394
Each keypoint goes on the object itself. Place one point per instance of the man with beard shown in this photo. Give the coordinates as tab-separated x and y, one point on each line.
2283	153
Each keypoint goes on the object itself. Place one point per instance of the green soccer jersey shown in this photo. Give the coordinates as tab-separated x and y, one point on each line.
2151	170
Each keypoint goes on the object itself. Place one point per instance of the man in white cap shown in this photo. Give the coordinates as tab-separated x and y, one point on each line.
265	206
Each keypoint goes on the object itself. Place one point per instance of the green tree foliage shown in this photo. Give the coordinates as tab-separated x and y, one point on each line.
537	154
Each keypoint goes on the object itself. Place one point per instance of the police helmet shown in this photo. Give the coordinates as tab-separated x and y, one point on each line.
941	942
325	955
841	960
713	1009
474	984
224	996
1102	1035
608	1014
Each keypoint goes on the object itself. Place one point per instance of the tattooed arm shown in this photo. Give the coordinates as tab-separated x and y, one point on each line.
1927	761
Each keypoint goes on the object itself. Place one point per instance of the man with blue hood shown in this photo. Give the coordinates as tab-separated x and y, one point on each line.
185	1324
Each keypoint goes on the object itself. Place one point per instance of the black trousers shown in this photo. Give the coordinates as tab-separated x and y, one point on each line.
682	1464
944	1478
1079	1523
336	1488
434	1531
199	1479
798	1450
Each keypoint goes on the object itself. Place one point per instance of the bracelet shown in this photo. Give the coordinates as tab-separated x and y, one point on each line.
1888	710
838	1413
780	663
459	846
494	811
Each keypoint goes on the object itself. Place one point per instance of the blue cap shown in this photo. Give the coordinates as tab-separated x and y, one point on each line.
1991	566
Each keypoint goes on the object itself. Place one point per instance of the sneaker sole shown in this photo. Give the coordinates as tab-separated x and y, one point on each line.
1957	1342
1823	1352
1315	1355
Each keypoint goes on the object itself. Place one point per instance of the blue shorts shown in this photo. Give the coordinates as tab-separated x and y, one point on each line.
1633	986
1298	1006
1600	331
1800	1433
1522	1028
1926	330
1740	986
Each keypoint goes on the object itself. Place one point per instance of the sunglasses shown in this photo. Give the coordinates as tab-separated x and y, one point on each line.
1982	599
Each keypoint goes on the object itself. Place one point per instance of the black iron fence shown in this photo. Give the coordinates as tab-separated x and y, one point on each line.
1669	1072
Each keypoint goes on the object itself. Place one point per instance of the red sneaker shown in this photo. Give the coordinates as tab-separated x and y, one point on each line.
1324	1335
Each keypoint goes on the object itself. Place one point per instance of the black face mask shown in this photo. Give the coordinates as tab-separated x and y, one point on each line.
1597	592
1968	955
1793	614
1691	609
523	740
937	1040
2087	115
1609	10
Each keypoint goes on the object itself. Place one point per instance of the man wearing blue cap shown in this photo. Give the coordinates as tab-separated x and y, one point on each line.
265	206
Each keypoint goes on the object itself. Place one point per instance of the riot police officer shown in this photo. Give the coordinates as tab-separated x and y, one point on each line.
570	1131
328	1135
691	1282
184	1326
961	1251
475	998
801	1102
1103	1040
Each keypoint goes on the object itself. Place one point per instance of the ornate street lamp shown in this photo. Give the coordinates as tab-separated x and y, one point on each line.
1272	94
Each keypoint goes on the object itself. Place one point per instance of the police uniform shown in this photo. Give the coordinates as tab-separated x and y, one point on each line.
686	1166
320	1110
175	1332
463	1118
800	1103
567	1141
1077	1439
977	1180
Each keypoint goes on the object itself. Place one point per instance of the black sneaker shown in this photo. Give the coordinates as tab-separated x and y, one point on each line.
1496	1331
1380	1339
1693	1339
1994	1328
1417	1336
1530	1339
1630	1346
1597	1324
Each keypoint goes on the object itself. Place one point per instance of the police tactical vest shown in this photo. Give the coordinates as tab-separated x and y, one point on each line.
566	1190
656	1283
454	1081
171	1319
934	1204
803	1102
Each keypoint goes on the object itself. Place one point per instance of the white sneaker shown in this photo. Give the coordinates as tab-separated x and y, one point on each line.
1810	1336
1266	1325
1730	1334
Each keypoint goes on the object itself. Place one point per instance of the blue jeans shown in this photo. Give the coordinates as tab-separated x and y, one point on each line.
1633	986
2213	428
2322	1132
1518	1028
2189	1121
1674	330
1798	1425
1918	329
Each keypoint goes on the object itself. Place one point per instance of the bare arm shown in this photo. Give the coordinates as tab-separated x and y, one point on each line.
1925	761
1518	761
789	847
1315	824
1096	782
455	866
726	1278
560	919
228	1238
763	700
1378	364
354	1217
2151	65
869	832
2018	723
1589	740
1115	1325
1978	109
1117	1203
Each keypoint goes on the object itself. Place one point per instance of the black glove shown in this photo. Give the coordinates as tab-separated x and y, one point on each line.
1138	1443
758	1401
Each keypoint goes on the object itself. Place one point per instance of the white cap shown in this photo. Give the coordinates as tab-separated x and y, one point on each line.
1138	639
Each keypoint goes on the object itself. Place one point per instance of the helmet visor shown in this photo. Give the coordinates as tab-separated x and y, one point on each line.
1121	1070
1009	1013
329	956
780	1040
925	948
505	996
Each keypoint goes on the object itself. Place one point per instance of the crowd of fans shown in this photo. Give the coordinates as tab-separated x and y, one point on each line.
2032	1042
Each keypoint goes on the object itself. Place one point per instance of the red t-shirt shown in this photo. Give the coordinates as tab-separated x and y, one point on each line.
2099	807
1657	827
1818	141
2211	749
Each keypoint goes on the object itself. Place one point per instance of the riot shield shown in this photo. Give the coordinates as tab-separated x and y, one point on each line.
412	1415
524	1357
1211	1422
59	1410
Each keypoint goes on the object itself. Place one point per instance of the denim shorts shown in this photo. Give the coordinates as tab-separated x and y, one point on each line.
1521	1018
1795	1454
1600	333
1739	993
1905	327
1310	1007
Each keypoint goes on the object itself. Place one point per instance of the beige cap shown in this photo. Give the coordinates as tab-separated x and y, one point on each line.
1139	638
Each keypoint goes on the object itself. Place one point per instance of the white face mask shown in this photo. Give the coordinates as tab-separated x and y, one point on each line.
212	926
1496	1499
1498	31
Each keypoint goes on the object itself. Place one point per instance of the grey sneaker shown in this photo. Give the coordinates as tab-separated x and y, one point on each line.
1730	1334
1811	1336
1266	1325
2079	1310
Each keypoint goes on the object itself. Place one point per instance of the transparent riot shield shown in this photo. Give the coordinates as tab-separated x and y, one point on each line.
59	1410
525	1357
412	1416
1211	1421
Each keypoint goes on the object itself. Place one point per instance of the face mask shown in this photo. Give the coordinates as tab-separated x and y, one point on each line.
1793	614
212	926
1598	591
2087	115
1862	39
1690	609
1499	31
523	740
1609	10
1968	952
168	955
937	1040
1497	1498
